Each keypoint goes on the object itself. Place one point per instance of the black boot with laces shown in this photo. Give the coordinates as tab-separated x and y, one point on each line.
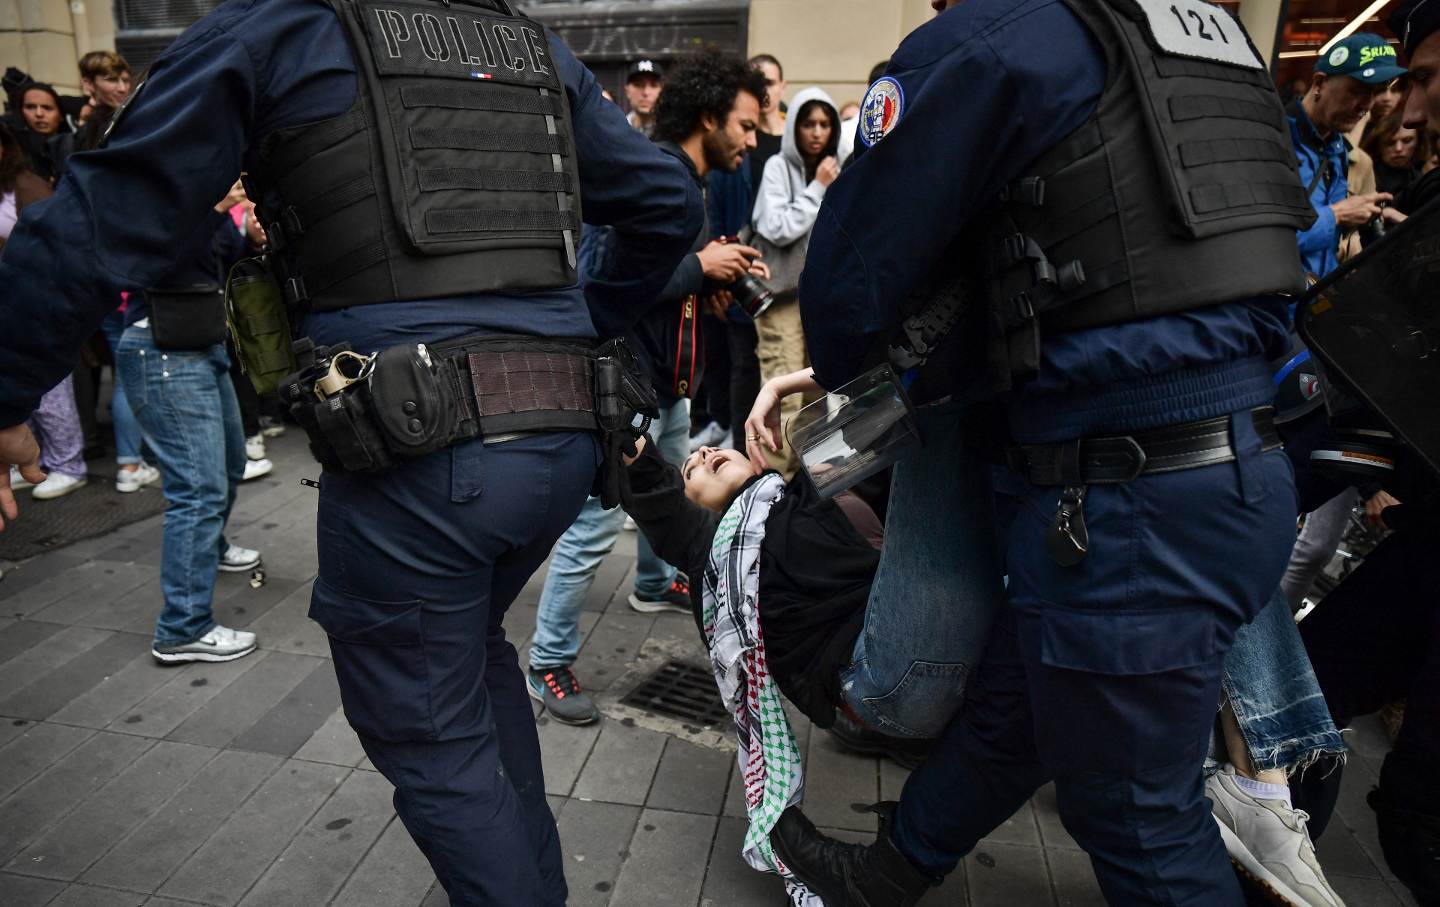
849	875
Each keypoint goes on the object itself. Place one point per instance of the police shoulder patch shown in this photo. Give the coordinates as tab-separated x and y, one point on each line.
881	110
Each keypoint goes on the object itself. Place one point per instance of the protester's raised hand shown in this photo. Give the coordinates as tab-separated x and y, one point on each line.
17	448
762	427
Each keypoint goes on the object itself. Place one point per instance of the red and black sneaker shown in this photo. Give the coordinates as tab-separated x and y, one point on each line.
560	693
676	598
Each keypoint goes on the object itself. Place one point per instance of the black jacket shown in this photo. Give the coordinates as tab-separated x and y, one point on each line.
815	575
667	339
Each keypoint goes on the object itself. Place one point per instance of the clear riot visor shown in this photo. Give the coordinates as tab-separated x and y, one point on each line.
855	432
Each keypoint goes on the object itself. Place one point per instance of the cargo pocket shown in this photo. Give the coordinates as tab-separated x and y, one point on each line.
379	652
1124	691
1124	643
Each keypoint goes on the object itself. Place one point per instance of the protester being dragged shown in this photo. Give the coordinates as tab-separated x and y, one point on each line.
791	190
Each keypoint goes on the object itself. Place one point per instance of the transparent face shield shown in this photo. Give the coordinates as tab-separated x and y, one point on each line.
855	432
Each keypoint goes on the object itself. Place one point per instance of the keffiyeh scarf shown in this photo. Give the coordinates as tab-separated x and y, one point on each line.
768	753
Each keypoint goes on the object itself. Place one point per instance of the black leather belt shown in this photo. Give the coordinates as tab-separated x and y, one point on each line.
1121	458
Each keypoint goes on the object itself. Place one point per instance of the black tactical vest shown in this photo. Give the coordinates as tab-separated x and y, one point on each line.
1181	191
454	172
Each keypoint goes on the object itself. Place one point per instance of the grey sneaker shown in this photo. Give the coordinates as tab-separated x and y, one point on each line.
1267	840
560	693
220	644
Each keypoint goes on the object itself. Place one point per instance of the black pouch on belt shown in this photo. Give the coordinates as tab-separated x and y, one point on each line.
187	318
413	404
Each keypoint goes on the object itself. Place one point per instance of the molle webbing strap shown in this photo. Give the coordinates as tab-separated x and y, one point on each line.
1057	228
479	220
532	390
1218	196
322	278
1167	67
485	140
1224	151
337	198
495	180
475	97
1201	107
315	139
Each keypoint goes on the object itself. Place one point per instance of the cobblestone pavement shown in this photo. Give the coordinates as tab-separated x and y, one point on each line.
123	783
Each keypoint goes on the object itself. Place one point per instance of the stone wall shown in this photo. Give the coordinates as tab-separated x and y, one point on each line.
46	37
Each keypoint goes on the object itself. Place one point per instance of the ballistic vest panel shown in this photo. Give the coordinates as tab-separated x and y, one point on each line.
454	172
1181	191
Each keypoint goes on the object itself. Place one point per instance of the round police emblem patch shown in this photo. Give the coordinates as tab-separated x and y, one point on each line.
1339	55
881	110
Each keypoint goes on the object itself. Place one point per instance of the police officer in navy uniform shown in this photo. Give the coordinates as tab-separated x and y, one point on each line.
421	167
1116	178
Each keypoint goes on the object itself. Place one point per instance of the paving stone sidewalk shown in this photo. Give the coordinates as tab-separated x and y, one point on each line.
124	784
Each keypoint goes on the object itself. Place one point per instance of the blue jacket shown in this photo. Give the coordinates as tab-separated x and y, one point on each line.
986	88
247	69
1320	245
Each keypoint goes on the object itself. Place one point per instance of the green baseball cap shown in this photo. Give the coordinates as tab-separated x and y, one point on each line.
1364	57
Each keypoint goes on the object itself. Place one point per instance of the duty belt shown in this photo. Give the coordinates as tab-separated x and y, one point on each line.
1121	458
1076	465
523	384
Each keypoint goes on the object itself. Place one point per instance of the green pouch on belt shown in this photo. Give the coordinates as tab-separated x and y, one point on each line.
259	324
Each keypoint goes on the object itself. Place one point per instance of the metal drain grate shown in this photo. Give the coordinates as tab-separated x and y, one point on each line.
680	690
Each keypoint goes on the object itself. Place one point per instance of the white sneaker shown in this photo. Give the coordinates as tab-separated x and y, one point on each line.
630	524
271	428
238	560
57	486
220	644
254	469
255	447
1267	841
17	481
128	480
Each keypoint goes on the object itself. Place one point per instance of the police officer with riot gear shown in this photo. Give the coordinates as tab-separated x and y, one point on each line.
421	168
1119	184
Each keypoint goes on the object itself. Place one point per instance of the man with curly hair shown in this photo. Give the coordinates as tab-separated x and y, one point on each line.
707	118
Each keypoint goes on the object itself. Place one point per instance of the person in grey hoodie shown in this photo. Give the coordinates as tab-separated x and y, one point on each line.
791	190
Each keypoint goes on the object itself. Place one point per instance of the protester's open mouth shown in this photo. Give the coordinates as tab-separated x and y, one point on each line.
717	460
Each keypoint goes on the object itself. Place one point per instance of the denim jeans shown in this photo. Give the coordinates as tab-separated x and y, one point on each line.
186	406
584	545
418	566
936	591
127	431
1272	688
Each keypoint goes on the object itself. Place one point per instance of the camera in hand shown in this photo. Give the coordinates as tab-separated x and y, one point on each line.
750	292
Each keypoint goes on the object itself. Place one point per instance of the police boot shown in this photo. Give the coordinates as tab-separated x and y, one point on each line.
1407	813
849	875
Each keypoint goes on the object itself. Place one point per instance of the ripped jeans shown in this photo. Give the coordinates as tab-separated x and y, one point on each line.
936	591
1272	688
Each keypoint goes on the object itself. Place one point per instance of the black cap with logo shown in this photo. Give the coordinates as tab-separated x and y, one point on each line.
645	68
